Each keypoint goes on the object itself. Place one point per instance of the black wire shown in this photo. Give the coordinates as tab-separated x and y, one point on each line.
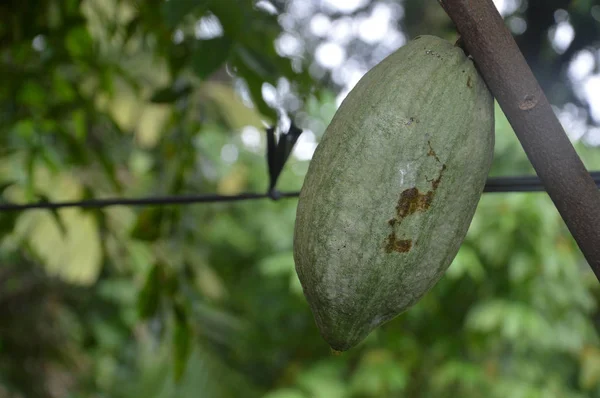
493	184
151	201
523	183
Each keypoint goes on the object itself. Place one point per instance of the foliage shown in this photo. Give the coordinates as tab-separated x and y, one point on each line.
128	98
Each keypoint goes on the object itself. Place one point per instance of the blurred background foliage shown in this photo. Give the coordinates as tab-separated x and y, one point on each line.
107	98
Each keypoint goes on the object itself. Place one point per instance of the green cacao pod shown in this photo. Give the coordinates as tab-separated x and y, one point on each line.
392	188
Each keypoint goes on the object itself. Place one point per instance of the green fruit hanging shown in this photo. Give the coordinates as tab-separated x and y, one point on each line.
392	188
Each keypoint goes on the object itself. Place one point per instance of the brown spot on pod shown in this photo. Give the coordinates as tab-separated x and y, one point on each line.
393	244
412	201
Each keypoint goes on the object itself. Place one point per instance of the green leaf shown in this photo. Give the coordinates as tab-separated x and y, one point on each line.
55	214
277	264
218	325
210	55
170	94
257	63
79	43
379	373
232	14
285	393
466	263
175	11
234	112
324	380
255	83
150	295
75	256
132	27
32	94
179	55
148	225
182	341
77	150
62	87
459	372
109	168
5	185
79	124
24	128
106	80
590	368
7	222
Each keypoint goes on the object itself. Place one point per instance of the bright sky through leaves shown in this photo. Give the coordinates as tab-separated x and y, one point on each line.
378	29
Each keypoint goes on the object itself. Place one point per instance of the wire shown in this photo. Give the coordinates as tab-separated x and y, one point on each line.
493	185
150	201
523	183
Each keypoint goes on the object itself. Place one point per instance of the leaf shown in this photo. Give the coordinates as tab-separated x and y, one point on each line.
281	264
8	219
175	11
379	373
34	95
324	380
454	372
466	262
148	225
255	83
486	316
179	55
285	393
78	42
79	124
128	77
210	55
589	376
7	222
5	185
62	87
170	94
23	128
110	169
55	215
74	256
257	63
210	284
182	341
150	295
236	114
131	28
232	14
76	149
106	80
218	325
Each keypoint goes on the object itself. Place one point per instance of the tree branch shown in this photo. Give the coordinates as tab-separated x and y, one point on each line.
511	81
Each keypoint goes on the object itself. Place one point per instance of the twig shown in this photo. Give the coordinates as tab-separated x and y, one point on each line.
512	82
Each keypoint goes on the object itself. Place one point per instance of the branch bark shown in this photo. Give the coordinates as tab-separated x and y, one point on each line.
546	144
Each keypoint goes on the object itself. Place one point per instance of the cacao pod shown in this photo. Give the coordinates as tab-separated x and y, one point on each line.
392	188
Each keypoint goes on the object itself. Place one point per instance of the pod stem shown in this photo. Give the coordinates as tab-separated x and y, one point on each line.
511	81
460	43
